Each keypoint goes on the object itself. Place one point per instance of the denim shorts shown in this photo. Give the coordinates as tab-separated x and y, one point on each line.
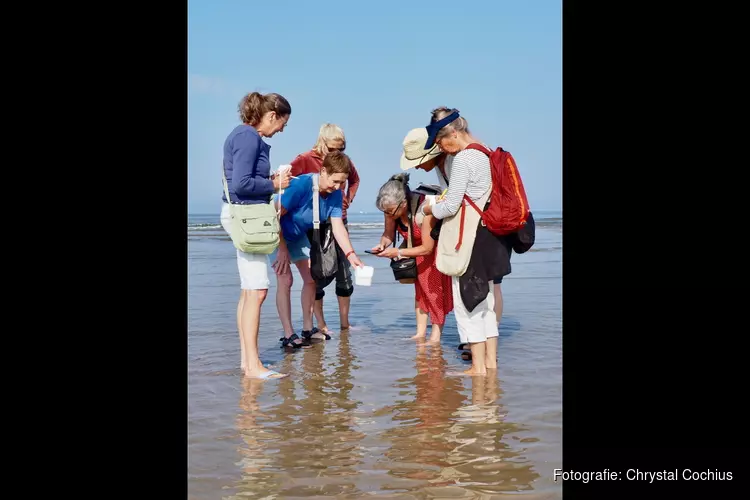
298	250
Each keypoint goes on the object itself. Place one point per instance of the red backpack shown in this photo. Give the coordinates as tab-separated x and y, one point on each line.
509	211
509	207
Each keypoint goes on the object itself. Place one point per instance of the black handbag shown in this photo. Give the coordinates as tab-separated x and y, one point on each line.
405	269
525	237
323	255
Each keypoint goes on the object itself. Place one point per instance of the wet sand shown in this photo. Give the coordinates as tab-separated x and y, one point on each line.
371	412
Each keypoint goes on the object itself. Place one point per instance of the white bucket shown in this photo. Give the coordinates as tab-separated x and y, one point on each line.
363	275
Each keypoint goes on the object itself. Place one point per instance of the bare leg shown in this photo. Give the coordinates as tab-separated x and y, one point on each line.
344	303
319	316
498	303
284	301
249	326
491	353
308	294
240	306
421	322
437	331
477	359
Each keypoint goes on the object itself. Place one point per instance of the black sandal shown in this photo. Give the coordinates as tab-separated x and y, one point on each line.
290	342
463	347
308	334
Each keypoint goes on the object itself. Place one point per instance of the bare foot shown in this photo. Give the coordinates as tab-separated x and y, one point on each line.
321	333
468	373
419	336
433	341
491	364
265	374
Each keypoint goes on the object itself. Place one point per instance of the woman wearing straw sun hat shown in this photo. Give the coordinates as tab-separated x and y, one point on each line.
414	155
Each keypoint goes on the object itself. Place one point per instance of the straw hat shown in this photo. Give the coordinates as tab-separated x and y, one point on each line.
414	153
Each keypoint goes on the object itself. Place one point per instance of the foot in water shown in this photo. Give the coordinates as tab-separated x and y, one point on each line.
468	373
419	336
317	334
294	342
264	374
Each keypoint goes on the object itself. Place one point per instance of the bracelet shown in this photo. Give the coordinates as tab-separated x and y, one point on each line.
349	253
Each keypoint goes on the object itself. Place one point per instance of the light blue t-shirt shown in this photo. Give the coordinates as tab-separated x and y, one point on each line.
297	199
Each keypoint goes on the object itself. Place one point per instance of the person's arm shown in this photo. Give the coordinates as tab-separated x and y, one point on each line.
289	201
245	157
428	244
389	234
459	181
342	238
353	185
339	230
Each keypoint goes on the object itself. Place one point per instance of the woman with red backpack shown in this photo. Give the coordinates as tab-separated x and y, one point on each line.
484	256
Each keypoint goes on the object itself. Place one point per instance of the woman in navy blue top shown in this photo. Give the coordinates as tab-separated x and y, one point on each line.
249	181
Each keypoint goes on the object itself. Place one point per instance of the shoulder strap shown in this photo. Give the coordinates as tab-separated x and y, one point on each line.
316	202
479	147
413	206
226	188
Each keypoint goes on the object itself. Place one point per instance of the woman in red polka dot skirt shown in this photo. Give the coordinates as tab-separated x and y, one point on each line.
433	289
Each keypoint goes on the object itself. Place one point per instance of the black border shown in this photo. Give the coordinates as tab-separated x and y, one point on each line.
652	377
122	132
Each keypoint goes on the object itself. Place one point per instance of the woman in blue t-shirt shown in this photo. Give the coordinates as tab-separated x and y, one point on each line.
296	221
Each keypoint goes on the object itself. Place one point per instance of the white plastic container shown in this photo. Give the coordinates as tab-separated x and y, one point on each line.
363	275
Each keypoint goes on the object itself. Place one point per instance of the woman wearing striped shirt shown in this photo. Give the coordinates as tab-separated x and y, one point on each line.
470	175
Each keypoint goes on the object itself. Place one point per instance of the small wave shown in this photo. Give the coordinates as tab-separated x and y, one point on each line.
204	227
366	225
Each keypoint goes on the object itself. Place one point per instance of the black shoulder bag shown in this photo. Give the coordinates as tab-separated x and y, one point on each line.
323	257
405	269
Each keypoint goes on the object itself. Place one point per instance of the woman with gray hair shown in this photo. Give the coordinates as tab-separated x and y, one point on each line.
402	208
470	177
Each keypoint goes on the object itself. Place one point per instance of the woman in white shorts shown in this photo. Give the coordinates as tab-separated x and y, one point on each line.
470	175
249	181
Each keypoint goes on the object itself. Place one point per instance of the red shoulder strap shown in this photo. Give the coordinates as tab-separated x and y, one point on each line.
479	147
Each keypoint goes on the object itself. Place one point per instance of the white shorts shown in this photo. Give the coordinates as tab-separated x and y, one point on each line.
478	325
253	267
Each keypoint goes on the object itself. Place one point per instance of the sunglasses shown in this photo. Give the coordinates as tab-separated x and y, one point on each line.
395	210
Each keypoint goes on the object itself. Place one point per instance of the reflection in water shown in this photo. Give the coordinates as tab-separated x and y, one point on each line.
439	441
312	442
439	438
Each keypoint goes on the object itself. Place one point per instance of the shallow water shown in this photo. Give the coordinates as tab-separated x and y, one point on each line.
371	412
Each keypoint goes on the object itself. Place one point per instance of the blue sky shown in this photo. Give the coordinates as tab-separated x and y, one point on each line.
377	70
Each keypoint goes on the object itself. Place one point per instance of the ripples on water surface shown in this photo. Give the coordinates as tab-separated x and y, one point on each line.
369	412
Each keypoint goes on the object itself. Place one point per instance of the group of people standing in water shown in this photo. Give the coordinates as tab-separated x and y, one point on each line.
462	173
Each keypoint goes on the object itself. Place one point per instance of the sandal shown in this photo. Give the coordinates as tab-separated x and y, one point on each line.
463	347
308	334
290	342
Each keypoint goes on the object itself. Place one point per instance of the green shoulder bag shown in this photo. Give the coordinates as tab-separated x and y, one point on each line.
254	228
